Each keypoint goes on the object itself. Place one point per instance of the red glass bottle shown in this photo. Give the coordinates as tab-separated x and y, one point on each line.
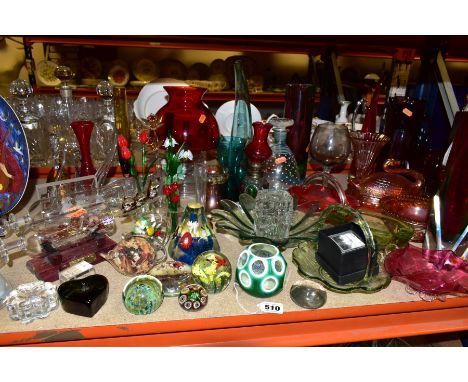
83	130
191	121
258	149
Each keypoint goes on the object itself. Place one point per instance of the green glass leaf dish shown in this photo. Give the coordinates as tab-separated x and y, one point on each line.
304	257
237	219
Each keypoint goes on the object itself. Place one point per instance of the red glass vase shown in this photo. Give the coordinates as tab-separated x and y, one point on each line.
188	119
258	149
83	130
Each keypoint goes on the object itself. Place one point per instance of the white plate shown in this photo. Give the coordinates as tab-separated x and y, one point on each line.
45	73
145	70
225	115
153	97
118	75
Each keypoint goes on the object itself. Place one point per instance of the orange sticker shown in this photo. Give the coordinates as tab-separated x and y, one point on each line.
202	118
407	112
280	160
76	212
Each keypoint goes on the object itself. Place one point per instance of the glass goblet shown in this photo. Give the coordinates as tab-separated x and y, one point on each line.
330	146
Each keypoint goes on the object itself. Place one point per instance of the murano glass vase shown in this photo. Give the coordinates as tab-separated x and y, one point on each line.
193	235
366	147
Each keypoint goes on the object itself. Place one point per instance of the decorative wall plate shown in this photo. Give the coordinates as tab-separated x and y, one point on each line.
14	159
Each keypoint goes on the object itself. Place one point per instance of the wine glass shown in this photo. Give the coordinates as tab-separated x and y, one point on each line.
330	146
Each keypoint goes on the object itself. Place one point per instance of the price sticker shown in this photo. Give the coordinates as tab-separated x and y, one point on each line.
280	160
271	307
202	118
407	112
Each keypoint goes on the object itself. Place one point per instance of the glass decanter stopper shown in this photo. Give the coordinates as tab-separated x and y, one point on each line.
280	170
29	116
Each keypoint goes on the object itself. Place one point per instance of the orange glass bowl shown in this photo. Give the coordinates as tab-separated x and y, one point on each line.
411	209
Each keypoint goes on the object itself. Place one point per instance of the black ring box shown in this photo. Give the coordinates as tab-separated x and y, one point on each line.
343	253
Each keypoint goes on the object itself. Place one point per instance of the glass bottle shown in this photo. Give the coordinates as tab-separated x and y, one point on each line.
231	153
105	126
29	117
280	170
63	116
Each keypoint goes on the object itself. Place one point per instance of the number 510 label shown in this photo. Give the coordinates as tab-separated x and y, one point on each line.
271	307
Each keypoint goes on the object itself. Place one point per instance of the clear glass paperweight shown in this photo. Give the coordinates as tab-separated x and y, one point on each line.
31	301
280	170
273	214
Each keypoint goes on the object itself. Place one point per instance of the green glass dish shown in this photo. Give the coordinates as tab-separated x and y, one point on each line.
379	231
237	219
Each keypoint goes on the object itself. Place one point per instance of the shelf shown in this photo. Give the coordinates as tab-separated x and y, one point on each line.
363	46
209	96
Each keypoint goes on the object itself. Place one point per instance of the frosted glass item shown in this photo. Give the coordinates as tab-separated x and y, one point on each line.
31	301
273	214
280	170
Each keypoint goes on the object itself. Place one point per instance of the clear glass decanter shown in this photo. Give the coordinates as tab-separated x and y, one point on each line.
280	170
29	116
104	132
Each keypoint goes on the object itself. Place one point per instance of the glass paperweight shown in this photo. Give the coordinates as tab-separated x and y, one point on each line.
193	297
261	269
31	301
280	170
212	270
273	214
135	255
143	295
172	274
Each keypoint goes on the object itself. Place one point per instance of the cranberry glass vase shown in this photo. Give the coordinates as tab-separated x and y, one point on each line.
299	106
258	149
188	119
83	130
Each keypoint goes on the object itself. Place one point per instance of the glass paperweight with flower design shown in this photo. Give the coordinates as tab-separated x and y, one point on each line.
261	269
193	297
135	255
31	301
212	270
143	295
193	235
280	170
173	275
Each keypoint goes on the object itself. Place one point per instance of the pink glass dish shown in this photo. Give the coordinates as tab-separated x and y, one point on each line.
428	271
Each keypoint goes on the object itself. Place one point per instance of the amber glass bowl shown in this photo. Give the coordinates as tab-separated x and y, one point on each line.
411	209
